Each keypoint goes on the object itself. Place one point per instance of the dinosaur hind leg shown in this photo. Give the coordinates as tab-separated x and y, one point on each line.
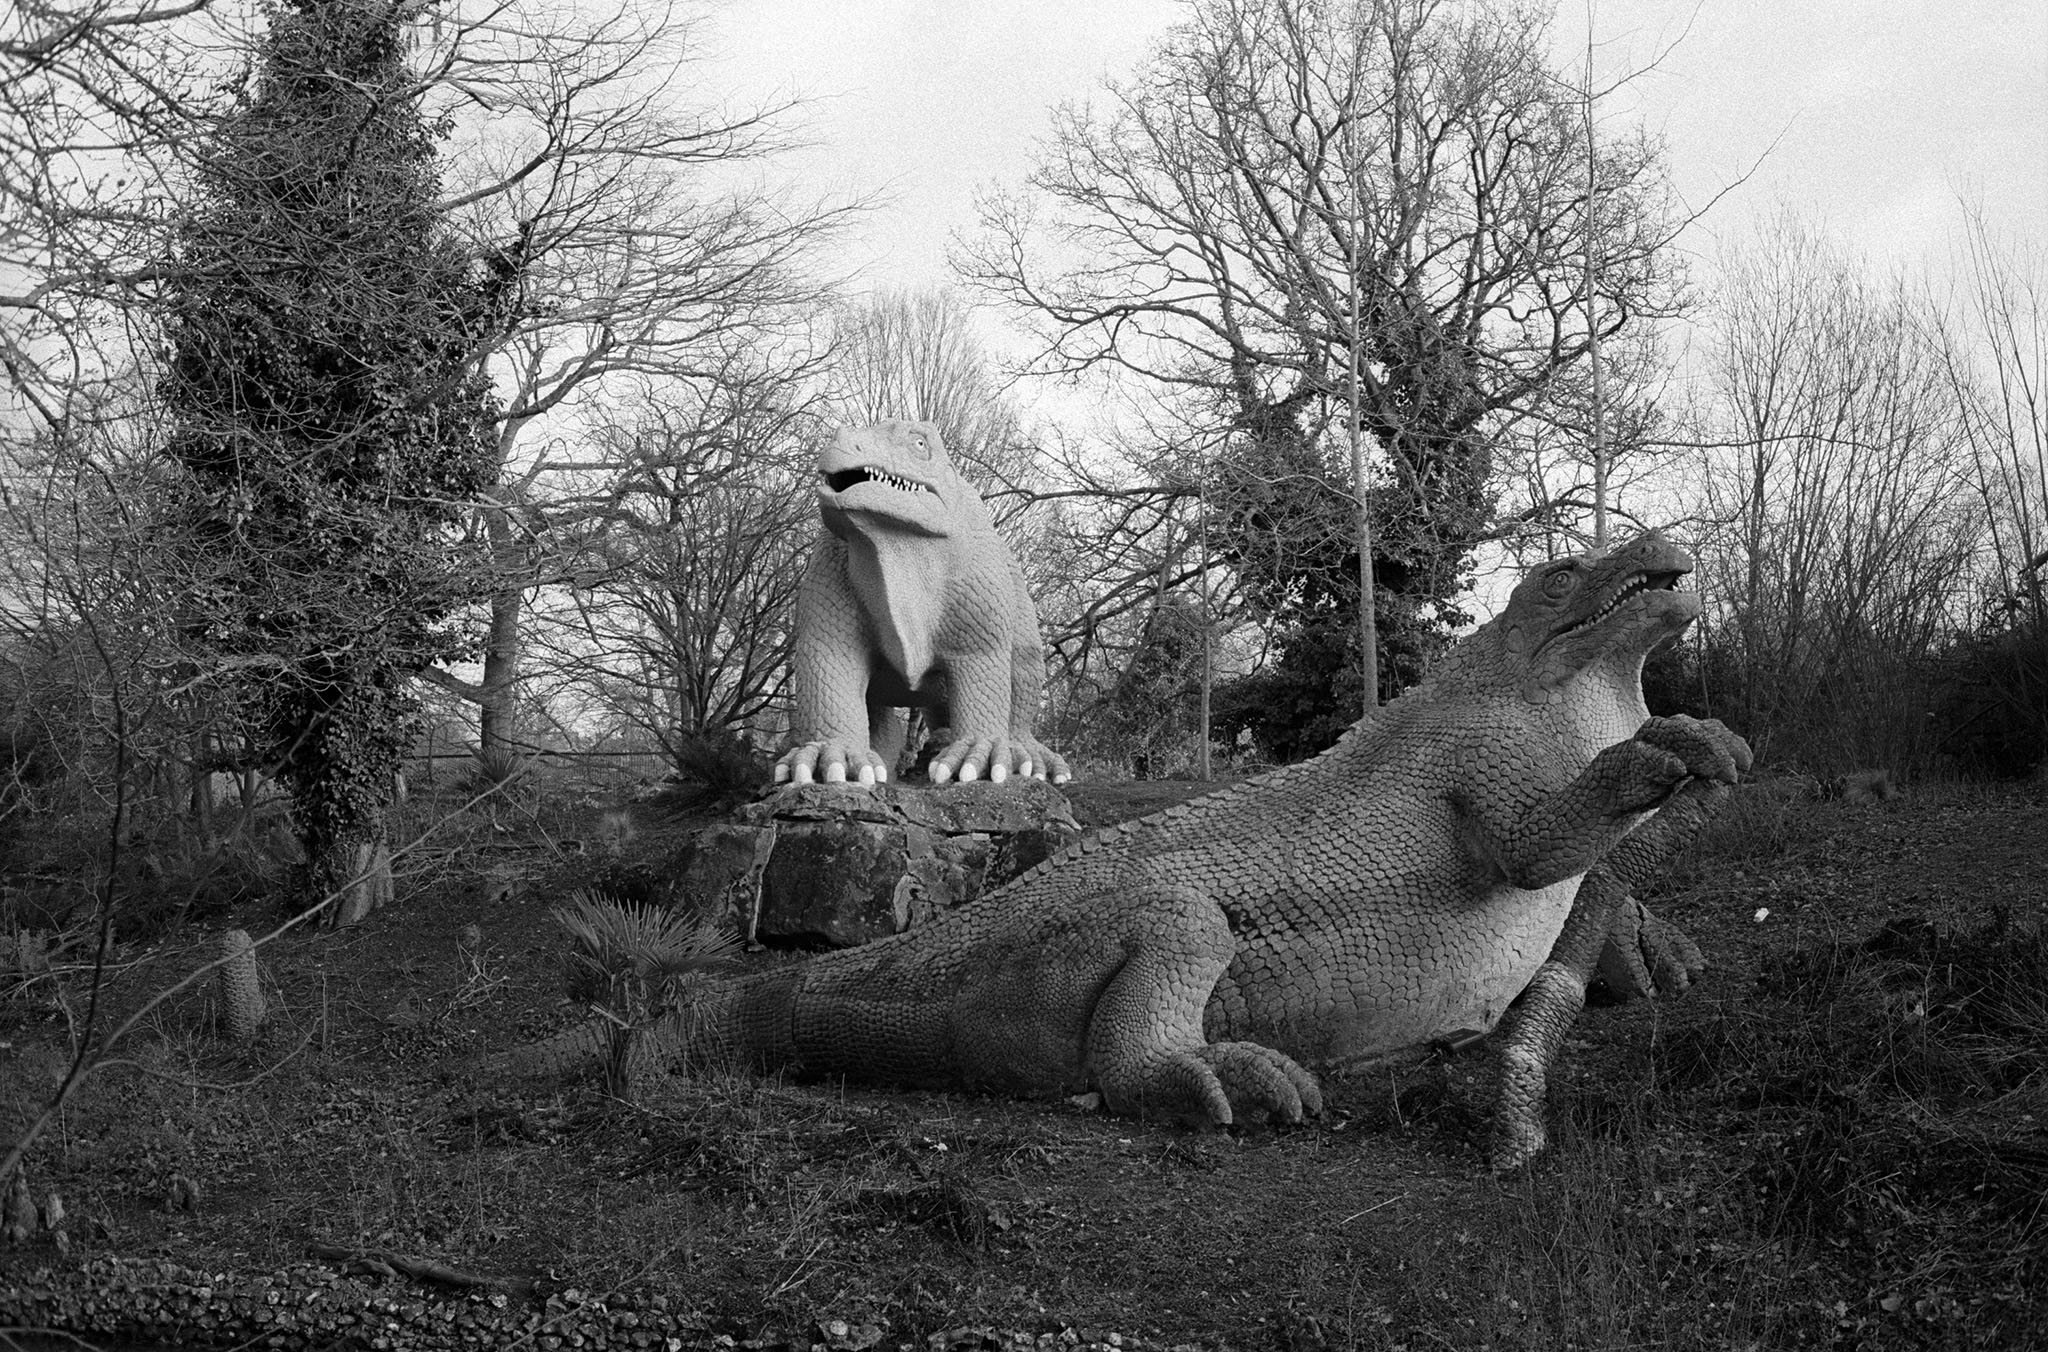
1145	1048
1537	1024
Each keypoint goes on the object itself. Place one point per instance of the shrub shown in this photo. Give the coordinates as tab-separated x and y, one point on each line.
1993	701
714	771
628	960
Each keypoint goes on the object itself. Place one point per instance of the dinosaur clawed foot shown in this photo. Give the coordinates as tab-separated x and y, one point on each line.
1212	1083
997	758
1646	957
1644	771
831	762
1704	746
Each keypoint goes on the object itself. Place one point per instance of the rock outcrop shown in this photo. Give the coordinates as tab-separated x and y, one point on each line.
840	864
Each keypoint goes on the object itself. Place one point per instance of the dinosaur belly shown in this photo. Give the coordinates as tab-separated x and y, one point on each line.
1362	993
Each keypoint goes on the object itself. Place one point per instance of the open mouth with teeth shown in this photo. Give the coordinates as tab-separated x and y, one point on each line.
841	480
1633	587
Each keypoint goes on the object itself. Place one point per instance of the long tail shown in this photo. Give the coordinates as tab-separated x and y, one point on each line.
846	1012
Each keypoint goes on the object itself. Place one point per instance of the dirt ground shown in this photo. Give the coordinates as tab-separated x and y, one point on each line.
1838	1140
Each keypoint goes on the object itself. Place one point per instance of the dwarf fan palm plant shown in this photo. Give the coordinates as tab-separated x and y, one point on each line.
629	962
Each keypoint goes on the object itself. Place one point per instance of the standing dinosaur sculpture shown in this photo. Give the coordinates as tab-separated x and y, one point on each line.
912	599
1477	835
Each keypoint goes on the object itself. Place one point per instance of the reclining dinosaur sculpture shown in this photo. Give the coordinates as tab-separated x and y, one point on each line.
1475	839
912	599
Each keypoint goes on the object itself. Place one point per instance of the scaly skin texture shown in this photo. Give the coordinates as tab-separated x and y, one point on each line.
1606	925
1406	884
912	600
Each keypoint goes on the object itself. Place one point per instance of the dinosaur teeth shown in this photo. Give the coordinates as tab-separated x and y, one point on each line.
895	481
842	479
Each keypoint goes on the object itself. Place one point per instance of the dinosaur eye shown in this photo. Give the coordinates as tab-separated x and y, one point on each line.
1560	583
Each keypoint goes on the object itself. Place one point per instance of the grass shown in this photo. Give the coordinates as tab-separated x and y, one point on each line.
1845	1150
1835	1142
1891	1091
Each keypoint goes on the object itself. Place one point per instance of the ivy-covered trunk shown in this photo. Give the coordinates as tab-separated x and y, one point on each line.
344	729
328	406
363	874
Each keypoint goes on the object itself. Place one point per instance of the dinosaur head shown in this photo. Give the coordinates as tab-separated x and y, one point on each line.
891	476
1606	609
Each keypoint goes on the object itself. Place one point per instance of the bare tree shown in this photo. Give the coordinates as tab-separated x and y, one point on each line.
707	520
98	104
1840	554
586	166
86	630
1993	346
2005	395
1617	447
915	354
1282	165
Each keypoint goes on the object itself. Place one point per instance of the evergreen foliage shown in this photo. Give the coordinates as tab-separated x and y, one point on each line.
1282	518
323	383
1151	709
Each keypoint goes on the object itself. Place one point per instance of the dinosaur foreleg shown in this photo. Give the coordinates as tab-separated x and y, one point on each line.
1555	995
978	702
832	665
1572	831
1145	1048
1644	955
1027	682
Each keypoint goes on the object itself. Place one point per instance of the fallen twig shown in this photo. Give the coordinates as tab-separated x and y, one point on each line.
388	1264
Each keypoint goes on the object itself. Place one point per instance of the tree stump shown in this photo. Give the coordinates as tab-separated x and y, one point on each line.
240	985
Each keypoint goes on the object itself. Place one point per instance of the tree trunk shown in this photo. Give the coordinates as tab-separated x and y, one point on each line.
199	802
361	877
1368	610
1368	602
512	563
497	716
1208	655
1598	440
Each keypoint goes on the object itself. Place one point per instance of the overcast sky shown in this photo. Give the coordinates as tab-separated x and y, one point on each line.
1880	110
